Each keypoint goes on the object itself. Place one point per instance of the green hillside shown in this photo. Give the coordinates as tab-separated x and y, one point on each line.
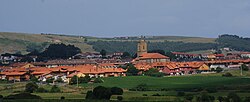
22	42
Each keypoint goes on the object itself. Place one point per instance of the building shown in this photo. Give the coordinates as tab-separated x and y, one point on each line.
144	57
141	47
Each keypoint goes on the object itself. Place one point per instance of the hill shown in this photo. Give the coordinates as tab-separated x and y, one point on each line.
23	43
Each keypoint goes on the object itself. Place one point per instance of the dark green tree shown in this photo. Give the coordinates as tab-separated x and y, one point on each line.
102	93
244	67
116	91
31	87
103	53
126	55
132	70
60	51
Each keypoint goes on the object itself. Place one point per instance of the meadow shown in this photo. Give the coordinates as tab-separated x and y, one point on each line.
159	88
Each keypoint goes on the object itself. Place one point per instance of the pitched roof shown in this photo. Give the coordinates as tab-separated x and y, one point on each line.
152	56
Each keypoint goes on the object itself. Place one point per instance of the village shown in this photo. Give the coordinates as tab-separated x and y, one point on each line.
113	65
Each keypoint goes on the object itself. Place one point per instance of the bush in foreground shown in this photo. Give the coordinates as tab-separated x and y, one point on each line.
103	93
31	87
55	89
23	96
116	91
227	74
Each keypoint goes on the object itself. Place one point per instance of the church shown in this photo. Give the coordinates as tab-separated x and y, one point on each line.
144	57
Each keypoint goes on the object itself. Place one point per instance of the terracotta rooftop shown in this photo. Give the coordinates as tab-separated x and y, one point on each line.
152	56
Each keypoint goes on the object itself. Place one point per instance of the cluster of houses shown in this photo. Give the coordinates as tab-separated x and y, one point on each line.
92	65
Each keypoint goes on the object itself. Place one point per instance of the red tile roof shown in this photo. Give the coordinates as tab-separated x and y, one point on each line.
153	56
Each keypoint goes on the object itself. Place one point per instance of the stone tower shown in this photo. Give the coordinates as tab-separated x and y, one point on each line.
142	47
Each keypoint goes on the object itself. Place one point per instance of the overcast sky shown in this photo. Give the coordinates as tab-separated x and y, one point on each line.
108	18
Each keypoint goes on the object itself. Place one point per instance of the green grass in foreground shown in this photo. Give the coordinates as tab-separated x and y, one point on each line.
170	82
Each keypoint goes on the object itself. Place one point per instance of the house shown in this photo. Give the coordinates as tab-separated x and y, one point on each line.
21	65
17	76
88	55
68	62
245	54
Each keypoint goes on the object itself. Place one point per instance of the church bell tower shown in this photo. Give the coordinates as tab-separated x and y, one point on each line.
142	47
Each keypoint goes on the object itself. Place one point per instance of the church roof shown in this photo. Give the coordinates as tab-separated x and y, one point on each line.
152	56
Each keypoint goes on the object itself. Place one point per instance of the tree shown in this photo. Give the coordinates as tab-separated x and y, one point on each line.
126	55
41	90
244	67
31	87
116	91
60	51
27	59
73	80
55	89
103	53
84	79
132	70
98	80
154	72
170	55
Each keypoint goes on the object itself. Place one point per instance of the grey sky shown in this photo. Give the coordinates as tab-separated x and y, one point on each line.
107	18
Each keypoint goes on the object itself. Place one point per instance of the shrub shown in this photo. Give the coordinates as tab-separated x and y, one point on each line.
144	94
89	95
227	74
55	89
141	87
41	90
189	97
219	69
73	80
244	67
101	92
180	93
33	79
23	96
98	80
204	97
156	94
31	87
62	98
211	90
1	96
50	80
116	91
120	98
59	80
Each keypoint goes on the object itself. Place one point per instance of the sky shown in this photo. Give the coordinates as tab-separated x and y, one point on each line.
110	18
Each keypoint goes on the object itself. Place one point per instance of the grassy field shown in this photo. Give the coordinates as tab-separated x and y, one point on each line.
166	87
